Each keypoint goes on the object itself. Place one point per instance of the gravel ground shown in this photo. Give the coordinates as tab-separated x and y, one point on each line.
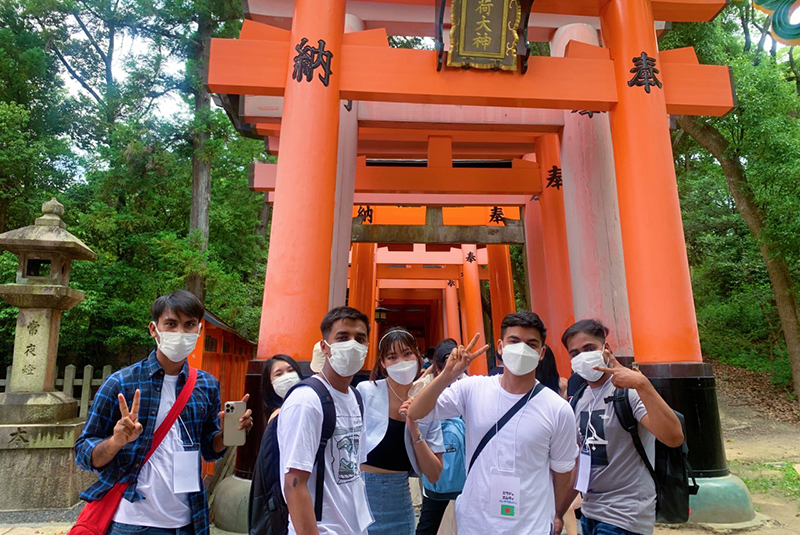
42	516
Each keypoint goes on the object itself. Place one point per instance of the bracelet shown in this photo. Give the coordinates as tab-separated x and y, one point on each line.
418	440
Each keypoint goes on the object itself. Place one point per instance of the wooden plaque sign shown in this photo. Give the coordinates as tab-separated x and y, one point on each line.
484	34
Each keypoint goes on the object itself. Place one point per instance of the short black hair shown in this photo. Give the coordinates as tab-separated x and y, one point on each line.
342	313
523	318
178	301
442	351
590	327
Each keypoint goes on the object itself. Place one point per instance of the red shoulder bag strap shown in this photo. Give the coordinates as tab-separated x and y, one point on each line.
98	515
174	412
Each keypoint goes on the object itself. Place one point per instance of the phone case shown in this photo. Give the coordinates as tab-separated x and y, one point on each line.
232	435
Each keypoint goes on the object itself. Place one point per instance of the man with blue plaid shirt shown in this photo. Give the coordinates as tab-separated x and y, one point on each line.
165	495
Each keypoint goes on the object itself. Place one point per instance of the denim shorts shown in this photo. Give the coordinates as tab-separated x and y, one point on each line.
389	498
129	529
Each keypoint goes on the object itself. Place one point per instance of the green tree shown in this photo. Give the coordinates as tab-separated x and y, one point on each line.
756	150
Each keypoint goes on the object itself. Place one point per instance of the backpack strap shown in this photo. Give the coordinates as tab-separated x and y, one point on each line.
504	420
328	427
624	412
573	402
359	399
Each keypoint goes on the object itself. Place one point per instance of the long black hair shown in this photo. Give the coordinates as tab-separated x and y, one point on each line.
547	372
273	401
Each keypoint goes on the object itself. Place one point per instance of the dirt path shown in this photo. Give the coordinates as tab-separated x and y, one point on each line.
758	445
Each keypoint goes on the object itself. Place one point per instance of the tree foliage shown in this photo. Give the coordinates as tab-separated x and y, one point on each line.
739	179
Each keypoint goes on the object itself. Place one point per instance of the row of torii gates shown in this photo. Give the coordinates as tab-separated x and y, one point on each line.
407	184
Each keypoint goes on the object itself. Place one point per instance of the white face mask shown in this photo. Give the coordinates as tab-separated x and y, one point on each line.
282	384
347	357
403	373
177	346
583	365
520	359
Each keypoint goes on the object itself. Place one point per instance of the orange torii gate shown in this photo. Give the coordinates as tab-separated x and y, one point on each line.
628	77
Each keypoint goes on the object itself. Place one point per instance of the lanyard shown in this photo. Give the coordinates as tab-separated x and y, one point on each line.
594	439
516	427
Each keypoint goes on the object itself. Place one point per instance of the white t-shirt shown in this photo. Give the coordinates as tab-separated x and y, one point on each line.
160	507
539	438
344	503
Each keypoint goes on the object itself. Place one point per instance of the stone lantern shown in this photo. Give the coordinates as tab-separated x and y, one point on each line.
38	425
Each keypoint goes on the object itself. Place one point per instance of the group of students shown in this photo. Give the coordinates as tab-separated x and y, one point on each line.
526	452
511	452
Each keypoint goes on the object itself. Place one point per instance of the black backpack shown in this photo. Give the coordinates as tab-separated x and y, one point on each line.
267	513
672	471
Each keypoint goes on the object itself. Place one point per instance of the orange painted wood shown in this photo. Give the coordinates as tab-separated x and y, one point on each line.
706	89
262	32
452	316
579	50
375	37
400	75
501	285
298	271
524	180
396	215
556	254
474	308
363	287
679	55
476	215
663	321
669	10
419	272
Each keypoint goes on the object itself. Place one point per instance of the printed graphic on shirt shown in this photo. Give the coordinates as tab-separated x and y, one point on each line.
345	443
595	433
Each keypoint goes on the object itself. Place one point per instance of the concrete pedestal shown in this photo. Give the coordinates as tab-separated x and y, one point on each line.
230	504
37	465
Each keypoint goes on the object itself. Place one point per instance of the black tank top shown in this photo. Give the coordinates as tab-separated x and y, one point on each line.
390	453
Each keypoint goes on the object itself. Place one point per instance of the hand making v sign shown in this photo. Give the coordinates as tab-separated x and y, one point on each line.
461	357
128	427
622	377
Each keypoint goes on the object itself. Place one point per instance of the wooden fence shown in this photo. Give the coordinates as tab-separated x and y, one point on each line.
69	381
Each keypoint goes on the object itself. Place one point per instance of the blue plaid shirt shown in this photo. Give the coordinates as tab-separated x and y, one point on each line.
199	418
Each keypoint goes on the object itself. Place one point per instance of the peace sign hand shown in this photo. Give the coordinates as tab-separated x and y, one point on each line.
128	427
461	357
622	377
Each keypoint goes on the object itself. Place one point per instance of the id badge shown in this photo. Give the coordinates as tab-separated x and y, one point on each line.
185	472
584	470
505	496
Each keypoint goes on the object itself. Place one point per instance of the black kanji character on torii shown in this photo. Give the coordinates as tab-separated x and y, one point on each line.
497	215
451	283
589	113
365	213
308	59
471	257
554	179
644	73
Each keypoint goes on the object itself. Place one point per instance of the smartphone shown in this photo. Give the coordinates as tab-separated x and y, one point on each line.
232	435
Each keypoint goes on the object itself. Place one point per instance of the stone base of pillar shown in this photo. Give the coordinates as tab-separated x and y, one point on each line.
722	501
37	466
36	407
690	388
230	504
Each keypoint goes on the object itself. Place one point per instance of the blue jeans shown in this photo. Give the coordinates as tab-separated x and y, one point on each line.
129	529
389	498
594	527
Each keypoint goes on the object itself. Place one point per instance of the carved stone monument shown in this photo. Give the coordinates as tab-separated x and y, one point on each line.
39	426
